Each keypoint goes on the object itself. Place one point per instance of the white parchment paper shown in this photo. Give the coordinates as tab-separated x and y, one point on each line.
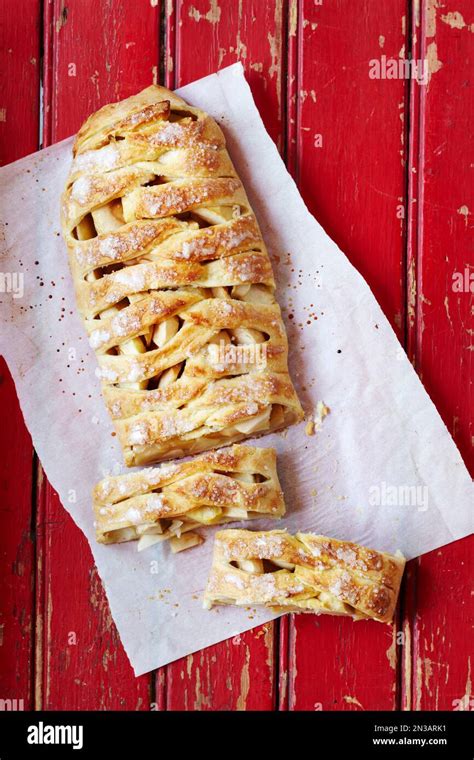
382	469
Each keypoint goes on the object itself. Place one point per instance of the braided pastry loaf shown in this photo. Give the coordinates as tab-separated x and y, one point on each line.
174	282
303	573
171	501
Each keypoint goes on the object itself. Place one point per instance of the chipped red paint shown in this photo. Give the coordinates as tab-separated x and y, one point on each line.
399	204
438	610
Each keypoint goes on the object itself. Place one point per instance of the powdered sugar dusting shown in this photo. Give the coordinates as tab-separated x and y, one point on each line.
81	190
138	434
103	159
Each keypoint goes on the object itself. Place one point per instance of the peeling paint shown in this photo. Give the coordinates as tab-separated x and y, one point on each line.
464	211
62	19
293	669
352	701
189	665
416	7
411	310
213	15
418	681
269	647
391	652
293	25
240	48
434	64
455	20
48	673
466	699
275	43
222	52
39	624
428	672
407	665
244	682
381	41
274	52
431	7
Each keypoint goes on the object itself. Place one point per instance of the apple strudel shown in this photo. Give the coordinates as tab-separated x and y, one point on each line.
303	573
174	282
170	501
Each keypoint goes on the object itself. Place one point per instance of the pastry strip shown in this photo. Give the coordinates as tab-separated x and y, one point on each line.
303	573
167	502
174	282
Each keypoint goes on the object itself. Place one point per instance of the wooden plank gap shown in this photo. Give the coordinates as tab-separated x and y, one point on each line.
46	73
414	210
170	10
294	26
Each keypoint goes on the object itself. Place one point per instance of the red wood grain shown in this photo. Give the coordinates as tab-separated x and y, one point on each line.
16	549
19	128
19	73
225	31
346	149
439	614
114	49
355	182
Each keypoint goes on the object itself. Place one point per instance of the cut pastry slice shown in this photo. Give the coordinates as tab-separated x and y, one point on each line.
303	573
174	282
171	501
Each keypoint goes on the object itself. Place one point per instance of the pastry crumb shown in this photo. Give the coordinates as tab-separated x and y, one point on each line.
314	423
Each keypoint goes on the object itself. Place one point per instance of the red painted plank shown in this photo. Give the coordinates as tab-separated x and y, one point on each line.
102	51
437	672
97	52
355	182
442	325
81	664
19	73
346	149
439	613
336	664
240	673
225	31
19	126
16	548
237	674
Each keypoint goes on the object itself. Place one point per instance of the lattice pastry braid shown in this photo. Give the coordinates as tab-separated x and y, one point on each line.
167	502
303	573
174	282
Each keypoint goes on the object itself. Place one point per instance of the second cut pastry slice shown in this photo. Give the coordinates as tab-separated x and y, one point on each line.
303	573
171	501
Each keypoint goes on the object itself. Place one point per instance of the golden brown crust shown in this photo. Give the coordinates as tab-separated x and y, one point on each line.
174	281
236	483
303	573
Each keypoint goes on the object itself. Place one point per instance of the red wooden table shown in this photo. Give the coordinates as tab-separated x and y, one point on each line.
386	166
